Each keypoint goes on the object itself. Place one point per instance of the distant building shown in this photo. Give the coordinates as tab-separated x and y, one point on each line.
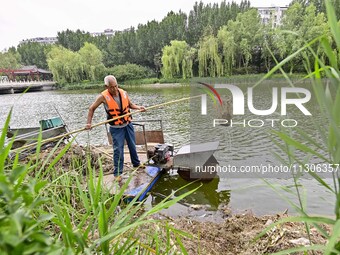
41	40
51	40
26	73
107	32
272	15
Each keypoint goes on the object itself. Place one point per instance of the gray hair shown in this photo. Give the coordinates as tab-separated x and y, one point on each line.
107	79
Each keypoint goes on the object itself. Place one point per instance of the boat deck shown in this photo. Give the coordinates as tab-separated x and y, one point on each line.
142	179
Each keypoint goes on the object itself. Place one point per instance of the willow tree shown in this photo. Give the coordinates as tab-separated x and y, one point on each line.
65	65
92	58
245	48
209	60
177	59
228	46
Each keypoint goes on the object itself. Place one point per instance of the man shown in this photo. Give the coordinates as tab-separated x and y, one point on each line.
117	103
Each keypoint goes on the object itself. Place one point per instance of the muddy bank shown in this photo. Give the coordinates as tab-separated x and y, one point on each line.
237	233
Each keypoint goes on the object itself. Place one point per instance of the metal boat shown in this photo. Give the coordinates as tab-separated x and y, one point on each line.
48	128
196	161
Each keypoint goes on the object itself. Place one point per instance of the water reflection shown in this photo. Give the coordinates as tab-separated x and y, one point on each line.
208	195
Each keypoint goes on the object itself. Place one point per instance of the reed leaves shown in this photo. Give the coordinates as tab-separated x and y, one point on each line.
325	82
46	209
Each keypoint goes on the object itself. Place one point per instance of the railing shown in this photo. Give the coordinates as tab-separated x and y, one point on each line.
11	87
43	82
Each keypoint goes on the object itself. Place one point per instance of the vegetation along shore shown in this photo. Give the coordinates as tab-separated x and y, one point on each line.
53	200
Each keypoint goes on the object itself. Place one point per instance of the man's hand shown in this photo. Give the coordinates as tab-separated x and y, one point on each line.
142	109
88	126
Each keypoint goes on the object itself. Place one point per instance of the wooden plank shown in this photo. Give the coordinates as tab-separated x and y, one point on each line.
151	136
154	136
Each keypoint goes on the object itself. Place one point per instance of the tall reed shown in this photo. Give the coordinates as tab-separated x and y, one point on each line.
47	209
324	76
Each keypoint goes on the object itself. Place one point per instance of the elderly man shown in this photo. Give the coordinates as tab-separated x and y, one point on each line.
117	103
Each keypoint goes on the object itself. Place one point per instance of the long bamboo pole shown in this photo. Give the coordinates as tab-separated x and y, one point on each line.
102	123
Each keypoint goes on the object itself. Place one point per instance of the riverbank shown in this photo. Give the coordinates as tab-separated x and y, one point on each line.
238	79
234	234
138	93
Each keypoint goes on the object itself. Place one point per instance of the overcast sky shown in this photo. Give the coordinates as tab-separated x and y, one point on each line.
24	19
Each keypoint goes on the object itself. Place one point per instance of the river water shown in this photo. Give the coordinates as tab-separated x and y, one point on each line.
238	146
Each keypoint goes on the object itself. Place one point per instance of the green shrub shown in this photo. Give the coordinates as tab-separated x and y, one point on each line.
130	72
141	81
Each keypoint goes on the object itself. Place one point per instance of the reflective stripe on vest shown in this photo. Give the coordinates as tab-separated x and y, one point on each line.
113	110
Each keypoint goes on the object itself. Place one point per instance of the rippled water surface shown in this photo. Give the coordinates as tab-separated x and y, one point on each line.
238	145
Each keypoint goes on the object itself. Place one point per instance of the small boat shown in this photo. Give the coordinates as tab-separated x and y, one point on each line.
158	158
192	161
49	128
196	161
142	181
20	131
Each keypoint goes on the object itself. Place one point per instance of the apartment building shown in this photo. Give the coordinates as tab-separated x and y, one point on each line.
41	40
273	14
51	40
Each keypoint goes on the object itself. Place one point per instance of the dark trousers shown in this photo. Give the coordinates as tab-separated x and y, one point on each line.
119	135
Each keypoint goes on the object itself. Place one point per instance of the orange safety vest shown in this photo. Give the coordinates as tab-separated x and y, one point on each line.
113	110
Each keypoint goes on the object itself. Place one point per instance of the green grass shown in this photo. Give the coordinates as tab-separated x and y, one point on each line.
48	209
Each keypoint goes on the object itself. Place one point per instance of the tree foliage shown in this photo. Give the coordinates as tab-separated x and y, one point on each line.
122	48
9	60
304	25
320	5
177	60
214	16
235	45
227	45
212	40
130	72
33	53
149	42
65	65
68	66
91	58
247	32
102	43
73	40
210	63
